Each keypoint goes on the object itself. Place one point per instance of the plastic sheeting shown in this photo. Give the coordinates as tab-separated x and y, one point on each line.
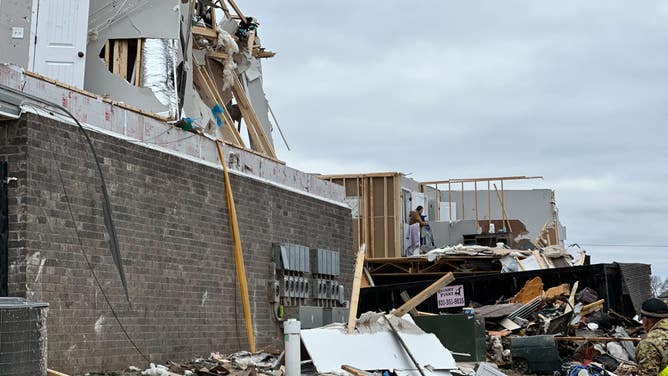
159	56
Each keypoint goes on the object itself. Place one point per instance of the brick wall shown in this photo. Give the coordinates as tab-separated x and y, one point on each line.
172	224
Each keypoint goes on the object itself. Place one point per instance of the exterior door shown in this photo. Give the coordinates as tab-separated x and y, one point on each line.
60	40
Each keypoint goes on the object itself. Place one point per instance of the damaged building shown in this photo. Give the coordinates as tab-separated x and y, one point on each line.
146	218
112	138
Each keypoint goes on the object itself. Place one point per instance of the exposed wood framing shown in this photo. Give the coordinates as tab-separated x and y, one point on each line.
255	131
120	63
211	97
237	10
204	32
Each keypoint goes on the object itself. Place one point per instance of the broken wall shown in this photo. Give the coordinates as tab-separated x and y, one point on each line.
172	223
16	13
533	207
134	19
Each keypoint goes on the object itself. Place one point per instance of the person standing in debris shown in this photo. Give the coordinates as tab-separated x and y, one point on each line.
426	237
413	234
652	352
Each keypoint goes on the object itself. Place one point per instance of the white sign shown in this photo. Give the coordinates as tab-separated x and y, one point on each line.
451	296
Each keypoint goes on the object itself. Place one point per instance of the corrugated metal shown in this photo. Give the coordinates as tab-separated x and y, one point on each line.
636	279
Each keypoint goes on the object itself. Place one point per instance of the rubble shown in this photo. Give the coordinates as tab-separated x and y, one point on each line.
242	363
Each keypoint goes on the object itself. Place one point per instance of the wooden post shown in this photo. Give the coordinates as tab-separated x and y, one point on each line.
238	254
372	220
355	295
489	207
475	189
424	294
450	201
386	234
463	212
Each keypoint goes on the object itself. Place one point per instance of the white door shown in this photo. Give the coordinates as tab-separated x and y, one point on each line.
61	35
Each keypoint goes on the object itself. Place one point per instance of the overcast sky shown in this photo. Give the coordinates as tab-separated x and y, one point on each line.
574	91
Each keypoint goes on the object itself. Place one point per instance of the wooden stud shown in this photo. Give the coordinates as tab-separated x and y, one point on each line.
450	201
252	122
386	234
211	97
463	212
107	54
424	294
237	10
355	295
398	225
489	207
372	219
138	63
475	189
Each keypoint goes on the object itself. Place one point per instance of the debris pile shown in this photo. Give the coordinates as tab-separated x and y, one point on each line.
562	327
242	363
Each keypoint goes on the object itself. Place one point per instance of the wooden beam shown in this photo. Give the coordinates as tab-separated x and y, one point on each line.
237	10
424	294
592	307
355	295
204	32
238	253
598	339
211	97
256	131
471	180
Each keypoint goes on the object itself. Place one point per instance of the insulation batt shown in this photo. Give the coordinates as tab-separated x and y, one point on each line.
158	70
229	45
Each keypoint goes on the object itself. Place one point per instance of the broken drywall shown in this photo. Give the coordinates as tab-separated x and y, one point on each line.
16	14
157	19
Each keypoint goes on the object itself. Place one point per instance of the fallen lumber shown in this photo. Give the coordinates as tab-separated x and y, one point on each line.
50	372
405	297
357	282
424	295
589	308
403	344
598	339
355	371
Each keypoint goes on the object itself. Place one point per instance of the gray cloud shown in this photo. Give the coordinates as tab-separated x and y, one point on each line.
574	91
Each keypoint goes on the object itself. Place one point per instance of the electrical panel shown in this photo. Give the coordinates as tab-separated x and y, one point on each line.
292	257
326	262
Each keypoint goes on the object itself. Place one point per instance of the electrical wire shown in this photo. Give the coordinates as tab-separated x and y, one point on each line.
90	266
106	203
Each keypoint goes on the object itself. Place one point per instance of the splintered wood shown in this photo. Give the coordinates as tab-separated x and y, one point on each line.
532	288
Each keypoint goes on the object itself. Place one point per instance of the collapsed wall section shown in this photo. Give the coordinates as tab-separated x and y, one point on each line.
172	224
